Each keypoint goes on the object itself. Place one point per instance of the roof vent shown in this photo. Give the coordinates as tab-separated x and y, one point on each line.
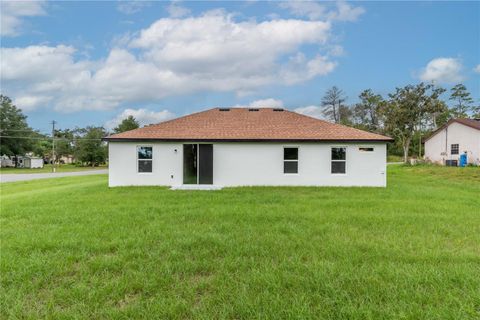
224	109
252	109
278	109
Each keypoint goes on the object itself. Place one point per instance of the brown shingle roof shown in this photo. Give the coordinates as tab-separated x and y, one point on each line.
472	123
241	124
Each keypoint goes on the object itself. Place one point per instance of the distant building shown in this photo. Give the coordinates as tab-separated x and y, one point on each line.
7	162
456	137
29	162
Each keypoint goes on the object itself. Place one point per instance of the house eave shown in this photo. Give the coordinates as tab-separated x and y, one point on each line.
247	140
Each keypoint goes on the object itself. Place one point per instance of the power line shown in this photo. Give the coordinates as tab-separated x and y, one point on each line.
48	139
18	130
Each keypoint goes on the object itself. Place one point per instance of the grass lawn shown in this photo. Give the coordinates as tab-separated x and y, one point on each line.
394	158
48	168
72	248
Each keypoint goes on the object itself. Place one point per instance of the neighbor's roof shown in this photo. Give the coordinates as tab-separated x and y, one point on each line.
472	123
243	124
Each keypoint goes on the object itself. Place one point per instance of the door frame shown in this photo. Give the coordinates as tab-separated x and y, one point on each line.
198	162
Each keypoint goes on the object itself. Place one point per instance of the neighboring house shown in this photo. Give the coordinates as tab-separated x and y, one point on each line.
6	162
66	159
247	147
29	162
457	136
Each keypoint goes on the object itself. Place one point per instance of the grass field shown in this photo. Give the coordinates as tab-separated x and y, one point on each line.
72	248
48	168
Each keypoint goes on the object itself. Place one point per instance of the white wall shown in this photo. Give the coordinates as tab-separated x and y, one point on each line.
122	164
244	164
466	137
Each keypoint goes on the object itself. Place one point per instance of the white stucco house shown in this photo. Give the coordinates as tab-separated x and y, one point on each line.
247	147
457	136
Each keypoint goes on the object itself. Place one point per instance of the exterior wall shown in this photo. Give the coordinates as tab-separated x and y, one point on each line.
123	168
438	147
248	164
36	163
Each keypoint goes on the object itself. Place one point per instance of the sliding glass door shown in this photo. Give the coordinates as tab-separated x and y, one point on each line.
197	164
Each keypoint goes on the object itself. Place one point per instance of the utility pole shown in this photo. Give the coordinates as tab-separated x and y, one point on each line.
53	145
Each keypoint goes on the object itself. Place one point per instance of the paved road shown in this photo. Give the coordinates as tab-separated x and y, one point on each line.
32	176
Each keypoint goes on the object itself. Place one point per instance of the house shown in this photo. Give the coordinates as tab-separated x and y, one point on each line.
456	137
66	159
247	147
29	162
6	162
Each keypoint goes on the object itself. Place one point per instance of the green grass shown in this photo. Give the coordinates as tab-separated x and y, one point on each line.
73	248
394	158
48	168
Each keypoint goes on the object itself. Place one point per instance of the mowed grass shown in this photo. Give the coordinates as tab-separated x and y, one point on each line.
73	248
48	168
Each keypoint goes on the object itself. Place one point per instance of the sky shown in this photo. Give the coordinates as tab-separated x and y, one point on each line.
96	62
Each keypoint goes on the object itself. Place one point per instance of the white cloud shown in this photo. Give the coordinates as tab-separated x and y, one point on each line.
315	11
312	111
311	9
131	7
13	12
443	70
477	68
27	103
143	116
177	11
346	12
211	52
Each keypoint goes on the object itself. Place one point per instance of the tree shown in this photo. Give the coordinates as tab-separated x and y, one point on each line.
64	143
90	148
367	111
345	114
13	124
463	101
332	101
127	124
407	109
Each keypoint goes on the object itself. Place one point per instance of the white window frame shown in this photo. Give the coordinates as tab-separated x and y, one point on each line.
290	160
451	149
136	150
332	161
366	147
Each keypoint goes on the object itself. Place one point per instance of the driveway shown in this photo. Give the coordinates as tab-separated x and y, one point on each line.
32	176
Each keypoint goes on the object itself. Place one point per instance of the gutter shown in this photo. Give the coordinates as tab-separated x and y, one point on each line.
107	139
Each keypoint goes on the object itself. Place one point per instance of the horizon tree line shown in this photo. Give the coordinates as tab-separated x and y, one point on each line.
407	114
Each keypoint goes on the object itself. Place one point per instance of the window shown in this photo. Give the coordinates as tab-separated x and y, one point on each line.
454	149
366	149
144	159
339	160
290	160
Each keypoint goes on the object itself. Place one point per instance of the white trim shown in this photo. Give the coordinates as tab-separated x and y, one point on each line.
151	160
291	160
345	161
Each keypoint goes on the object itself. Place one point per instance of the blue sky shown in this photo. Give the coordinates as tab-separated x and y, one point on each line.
93	63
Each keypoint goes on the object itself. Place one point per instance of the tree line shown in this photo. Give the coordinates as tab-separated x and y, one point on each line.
85	145
408	114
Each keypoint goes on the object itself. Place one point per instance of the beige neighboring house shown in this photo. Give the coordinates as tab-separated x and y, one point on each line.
456	137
